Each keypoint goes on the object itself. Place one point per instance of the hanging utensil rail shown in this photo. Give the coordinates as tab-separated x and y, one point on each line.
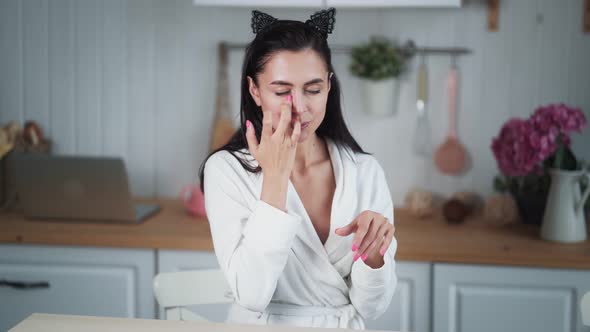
409	49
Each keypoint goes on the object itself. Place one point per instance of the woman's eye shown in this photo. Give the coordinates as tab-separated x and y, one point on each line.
313	92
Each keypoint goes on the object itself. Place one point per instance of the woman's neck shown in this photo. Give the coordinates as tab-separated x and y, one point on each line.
309	152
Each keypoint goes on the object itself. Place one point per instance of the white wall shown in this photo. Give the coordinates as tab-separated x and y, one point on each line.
136	78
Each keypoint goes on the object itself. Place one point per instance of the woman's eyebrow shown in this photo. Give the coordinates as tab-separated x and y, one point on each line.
314	81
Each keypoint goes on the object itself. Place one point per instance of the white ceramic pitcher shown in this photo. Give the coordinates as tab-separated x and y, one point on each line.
563	220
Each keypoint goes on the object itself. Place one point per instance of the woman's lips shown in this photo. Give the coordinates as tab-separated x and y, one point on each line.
303	124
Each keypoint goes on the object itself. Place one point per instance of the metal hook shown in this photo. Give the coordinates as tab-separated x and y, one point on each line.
422	58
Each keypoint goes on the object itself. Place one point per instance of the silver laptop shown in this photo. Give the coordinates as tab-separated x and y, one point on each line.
76	188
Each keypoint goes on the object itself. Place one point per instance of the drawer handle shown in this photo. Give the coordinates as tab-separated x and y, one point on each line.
23	284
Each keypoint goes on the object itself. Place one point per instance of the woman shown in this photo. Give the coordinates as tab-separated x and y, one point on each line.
301	217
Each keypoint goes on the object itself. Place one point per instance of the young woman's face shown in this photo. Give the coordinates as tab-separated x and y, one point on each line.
304	76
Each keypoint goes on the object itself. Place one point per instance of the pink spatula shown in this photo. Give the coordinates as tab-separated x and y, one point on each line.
450	156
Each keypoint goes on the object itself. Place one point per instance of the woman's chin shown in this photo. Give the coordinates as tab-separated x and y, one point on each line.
304	136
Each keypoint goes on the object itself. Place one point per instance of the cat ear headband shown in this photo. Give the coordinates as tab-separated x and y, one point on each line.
323	21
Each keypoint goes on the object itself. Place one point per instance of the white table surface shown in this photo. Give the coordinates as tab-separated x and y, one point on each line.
67	323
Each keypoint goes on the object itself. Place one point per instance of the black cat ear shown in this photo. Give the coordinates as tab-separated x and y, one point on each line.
261	21
323	21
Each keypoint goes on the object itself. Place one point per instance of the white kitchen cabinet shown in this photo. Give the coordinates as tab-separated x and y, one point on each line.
186	260
410	307
82	281
393	3
259	3
493	298
118	282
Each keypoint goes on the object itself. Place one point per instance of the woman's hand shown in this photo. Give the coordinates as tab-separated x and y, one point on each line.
373	236
275	153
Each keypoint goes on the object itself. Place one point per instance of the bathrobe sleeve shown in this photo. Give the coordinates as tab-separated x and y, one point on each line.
252	243
372	289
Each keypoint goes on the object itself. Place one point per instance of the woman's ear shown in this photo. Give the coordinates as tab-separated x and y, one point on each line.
253	89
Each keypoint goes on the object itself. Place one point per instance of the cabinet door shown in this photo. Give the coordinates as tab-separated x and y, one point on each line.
259	3
186	260
82	281
410	307
492	298
393	3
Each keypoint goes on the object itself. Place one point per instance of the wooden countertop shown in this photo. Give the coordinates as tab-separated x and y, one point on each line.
69	323
171	228
431	240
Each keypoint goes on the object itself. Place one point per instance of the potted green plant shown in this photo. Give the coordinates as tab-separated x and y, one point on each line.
378	62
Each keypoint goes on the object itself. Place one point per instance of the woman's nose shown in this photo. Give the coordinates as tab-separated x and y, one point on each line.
297	104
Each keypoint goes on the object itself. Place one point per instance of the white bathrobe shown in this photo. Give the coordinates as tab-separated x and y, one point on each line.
277	268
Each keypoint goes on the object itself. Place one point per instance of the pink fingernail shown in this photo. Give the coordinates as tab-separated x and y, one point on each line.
364	257
354	248
289	98
248	123
356	256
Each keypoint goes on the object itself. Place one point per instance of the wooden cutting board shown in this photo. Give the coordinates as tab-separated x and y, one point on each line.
223	127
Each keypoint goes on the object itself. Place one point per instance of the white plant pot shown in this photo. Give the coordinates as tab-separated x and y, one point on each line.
380	97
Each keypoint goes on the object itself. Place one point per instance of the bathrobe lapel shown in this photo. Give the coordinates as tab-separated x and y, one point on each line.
343	208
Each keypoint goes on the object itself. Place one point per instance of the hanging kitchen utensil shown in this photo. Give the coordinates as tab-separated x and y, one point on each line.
450	157
223	127
422	137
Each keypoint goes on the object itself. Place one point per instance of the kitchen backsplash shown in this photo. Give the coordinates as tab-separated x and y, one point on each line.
136	78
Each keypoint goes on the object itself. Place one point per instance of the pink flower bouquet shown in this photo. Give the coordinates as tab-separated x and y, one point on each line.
525	149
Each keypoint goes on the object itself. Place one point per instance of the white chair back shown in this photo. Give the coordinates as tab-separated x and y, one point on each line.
176	290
